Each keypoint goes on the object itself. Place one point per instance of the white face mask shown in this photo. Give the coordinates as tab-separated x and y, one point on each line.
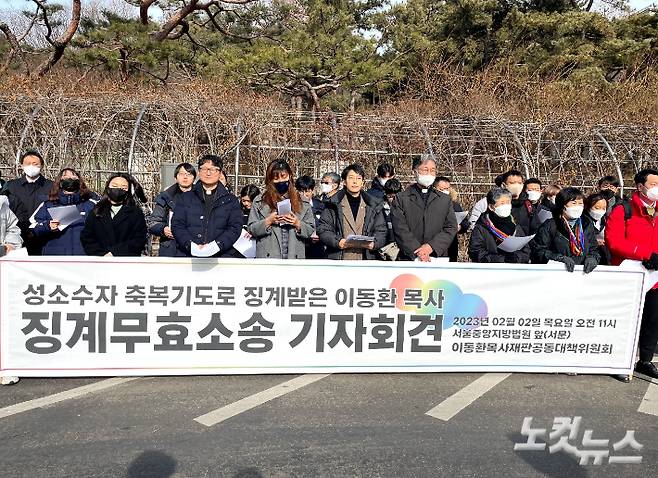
31	171
552	199
503	211
596	214
425	180
652	193
383	181
446	191
574	212
515	189
326	188
534	195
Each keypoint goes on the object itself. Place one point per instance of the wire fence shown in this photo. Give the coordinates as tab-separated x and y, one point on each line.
102	135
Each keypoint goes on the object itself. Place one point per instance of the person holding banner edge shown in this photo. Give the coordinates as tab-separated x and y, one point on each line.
568	237
632	233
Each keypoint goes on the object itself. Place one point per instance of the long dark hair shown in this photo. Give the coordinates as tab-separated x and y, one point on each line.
271	195
53	195
104	204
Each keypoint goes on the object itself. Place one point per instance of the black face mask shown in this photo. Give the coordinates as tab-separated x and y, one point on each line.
117	194
70	185
282	187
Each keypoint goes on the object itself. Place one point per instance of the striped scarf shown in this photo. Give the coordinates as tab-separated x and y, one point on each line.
499	235
576	237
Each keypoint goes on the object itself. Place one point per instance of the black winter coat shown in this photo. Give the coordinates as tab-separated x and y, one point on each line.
416	222
330	228
453	250
552	241
376	190
123	235
159	219
24	198
190	222
484	248
526	215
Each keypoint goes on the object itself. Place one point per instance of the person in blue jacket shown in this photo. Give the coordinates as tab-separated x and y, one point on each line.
208	215
69	189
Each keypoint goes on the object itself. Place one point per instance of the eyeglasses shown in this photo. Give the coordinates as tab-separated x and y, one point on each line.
209	170
185	174
427	171
326	182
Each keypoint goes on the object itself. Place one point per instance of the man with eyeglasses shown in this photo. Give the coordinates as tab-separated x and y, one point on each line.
424	223
208	217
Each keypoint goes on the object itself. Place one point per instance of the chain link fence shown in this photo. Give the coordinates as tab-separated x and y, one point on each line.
102	135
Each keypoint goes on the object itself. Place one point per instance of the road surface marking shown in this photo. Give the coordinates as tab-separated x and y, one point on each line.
649	403
247	403
61	396
454	404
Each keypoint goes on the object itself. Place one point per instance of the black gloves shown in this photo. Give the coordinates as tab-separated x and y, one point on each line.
652	262
589	265
569	263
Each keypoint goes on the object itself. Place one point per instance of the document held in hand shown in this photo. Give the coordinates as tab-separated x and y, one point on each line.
246	245
514	243
356	240
66	215
208	250
283	207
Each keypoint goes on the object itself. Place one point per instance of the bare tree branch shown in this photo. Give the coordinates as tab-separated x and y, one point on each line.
16	50
60	44
144	6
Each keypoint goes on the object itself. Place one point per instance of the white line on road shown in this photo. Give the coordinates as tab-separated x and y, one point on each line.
454	404
247	403
66	395
650	401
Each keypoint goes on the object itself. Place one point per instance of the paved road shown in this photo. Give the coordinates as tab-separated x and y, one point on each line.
307	426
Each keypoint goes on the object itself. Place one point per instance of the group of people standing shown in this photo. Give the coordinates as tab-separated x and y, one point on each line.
199	216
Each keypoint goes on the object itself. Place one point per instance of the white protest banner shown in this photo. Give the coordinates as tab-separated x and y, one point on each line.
85	316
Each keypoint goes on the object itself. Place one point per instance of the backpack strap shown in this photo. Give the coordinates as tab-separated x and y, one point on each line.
627	209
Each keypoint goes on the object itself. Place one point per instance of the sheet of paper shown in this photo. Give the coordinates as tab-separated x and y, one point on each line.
171	214
66	215
461	216
208	250
20	252
514	243
245	245
284	207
